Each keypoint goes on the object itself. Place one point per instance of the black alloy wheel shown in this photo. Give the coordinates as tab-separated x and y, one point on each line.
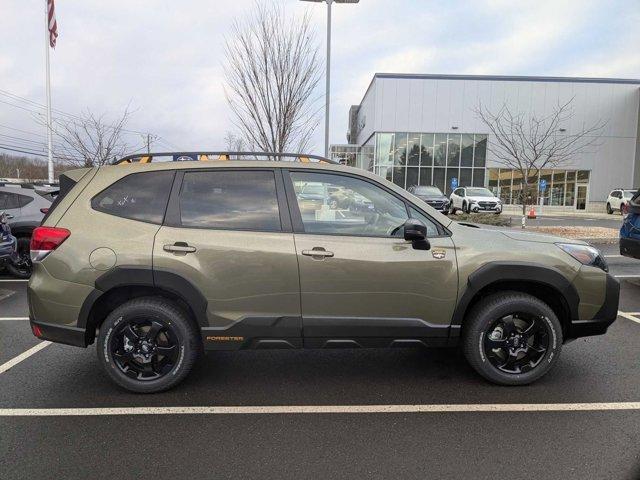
517	343
148	344
145	349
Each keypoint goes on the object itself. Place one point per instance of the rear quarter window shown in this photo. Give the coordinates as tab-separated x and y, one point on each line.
139	196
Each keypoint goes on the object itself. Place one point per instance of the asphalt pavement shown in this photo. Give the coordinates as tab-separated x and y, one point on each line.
579	441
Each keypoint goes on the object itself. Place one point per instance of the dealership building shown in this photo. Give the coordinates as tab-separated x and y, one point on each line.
424	130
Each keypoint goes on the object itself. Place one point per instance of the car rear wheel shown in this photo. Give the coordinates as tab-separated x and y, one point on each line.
22	267
623	209
148	345
512	338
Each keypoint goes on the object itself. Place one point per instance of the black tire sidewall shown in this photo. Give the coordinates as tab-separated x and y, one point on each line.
11	268
497	306
152	309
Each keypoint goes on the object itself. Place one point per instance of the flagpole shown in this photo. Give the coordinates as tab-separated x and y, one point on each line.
48	88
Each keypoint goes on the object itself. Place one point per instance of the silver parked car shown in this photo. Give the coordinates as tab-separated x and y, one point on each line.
25	207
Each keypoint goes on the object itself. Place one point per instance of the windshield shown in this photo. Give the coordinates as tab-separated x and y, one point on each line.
479	192
628	193
422	190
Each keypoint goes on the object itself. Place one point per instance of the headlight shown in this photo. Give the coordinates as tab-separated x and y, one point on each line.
585	254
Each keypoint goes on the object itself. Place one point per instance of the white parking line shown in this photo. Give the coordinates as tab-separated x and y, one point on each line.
4	296
629	316
12	280
11	319
613	256
627	276
322	409
23	356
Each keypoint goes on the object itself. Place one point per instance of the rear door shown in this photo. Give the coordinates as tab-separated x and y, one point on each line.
228	233
361	282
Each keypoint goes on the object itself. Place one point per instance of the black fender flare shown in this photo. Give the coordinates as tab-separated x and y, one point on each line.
132	276
493	272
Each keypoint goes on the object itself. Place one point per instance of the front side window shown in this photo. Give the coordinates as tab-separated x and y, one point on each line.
139	196
233	200
338	204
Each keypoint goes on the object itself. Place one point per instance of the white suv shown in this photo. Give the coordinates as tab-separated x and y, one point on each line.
475	199
619	199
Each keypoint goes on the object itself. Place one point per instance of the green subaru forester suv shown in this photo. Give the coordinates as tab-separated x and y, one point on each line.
157	261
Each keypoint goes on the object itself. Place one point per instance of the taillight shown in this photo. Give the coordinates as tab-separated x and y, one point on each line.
44	210
45	240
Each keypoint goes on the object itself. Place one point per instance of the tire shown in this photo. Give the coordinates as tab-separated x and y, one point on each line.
464	207
24	267
478	330
178	335
453	210
623	209
609	209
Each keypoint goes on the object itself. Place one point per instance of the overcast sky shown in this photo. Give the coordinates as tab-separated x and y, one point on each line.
165	58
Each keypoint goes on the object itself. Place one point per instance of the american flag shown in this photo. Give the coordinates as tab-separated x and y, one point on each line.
53	25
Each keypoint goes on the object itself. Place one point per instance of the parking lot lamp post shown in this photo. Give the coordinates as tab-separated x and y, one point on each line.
328	71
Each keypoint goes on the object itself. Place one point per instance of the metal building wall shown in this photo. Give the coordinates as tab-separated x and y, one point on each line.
417	103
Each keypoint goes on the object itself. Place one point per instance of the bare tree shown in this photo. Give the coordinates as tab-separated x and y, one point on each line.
271	72
529	144
233	142
90	140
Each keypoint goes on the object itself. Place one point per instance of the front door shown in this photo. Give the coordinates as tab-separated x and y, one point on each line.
228	233
582	192
361	282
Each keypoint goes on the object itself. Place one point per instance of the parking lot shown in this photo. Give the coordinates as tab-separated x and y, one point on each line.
323	414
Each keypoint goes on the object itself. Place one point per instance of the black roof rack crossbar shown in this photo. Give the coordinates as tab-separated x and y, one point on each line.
221	156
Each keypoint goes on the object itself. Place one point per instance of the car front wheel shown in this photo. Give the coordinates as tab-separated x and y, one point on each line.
512	338
609	209
148	345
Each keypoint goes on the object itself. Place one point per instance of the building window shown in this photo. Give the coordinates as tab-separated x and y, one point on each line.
410	159
560	189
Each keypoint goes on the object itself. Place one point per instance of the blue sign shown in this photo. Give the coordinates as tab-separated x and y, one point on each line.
543	184
454	183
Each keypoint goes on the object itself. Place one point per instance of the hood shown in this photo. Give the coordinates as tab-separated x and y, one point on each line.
438	198
483	199
517	235
539	237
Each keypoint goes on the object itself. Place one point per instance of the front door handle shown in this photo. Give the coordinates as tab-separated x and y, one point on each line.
179	247
317	252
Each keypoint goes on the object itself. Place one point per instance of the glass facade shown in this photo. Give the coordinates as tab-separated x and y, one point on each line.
415	158
409	159
353	155
560	190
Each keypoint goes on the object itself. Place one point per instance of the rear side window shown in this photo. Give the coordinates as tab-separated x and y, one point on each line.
12	200
24	200
139	196
234	200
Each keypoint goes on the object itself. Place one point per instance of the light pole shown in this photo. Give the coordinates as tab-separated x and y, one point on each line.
328	71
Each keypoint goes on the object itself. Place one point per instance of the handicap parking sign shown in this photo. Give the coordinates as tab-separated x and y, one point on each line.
454	183
543	184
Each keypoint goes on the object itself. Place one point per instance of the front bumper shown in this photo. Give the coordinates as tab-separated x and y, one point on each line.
607	314
630	247
480	208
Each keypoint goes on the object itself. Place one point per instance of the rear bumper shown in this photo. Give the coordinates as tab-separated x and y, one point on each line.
607	314
59	333
630	247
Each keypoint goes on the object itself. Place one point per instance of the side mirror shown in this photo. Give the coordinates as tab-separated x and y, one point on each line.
416	232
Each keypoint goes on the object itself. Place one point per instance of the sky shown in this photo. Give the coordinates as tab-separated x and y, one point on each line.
164	60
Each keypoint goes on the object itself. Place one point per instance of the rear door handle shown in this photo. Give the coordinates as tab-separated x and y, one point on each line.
317	252
179	247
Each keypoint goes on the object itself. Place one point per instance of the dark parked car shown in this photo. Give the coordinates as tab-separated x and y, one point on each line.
432	196
630	231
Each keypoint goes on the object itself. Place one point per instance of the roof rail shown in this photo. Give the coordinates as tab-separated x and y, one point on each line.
223	156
